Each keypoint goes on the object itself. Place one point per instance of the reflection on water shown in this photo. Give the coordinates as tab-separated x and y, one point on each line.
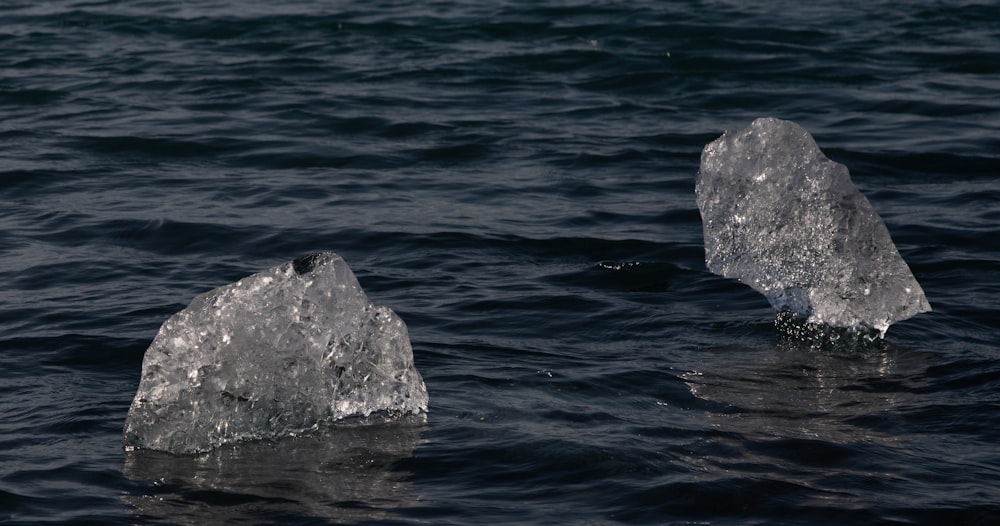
802	427
798	391
345	474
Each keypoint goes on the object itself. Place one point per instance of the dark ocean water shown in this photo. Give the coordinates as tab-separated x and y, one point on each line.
516	180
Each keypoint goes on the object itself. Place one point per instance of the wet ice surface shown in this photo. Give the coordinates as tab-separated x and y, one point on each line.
275	354
782	218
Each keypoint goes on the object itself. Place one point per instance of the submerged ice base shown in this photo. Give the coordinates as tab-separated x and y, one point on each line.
782	218
275	354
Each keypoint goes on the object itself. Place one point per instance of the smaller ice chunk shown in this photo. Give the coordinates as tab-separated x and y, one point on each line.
275	354
782	218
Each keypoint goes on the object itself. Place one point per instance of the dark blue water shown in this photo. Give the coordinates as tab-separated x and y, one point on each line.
516	180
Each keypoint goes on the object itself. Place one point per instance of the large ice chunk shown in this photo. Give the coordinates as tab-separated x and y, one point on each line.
782	218
274	354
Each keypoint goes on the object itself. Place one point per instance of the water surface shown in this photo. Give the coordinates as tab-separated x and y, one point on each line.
515	180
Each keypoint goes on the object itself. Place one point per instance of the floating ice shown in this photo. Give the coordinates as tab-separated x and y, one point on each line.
272	355
782	218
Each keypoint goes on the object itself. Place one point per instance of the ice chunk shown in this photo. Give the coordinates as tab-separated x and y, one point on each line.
782	218
272	355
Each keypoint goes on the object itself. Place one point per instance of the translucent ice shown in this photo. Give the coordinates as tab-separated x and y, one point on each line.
782	218
272	355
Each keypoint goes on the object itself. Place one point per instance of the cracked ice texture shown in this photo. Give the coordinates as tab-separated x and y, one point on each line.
275	354
782	218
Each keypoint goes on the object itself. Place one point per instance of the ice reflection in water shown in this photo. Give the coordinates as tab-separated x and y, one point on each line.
796	391
810	417
346	475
